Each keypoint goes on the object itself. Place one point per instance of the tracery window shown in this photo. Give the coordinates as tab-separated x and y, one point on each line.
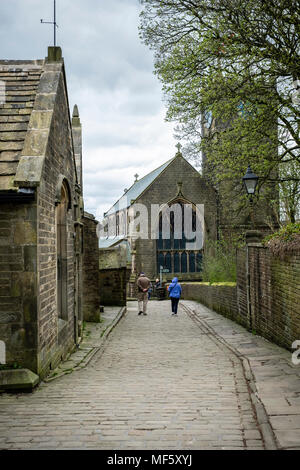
172	251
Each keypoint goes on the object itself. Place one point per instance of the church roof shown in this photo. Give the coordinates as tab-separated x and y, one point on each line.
19	82
137	189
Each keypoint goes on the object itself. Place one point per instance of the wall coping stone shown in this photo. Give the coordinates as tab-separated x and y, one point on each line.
18	379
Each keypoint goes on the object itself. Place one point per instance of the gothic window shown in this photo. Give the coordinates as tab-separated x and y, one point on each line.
172	254
184	262
62	252
168	262
176	262
192	262
199	262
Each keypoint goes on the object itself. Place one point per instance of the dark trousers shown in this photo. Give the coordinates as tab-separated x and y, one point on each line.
174	304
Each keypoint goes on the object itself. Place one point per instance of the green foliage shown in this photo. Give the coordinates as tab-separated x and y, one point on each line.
284	242
239	61
285	234
219	261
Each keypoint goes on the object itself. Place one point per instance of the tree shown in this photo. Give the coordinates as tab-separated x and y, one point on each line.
239	61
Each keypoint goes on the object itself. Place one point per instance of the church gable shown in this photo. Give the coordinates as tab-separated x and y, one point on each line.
165	187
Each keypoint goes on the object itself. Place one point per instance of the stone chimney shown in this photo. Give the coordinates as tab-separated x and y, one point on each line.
77	140
54	54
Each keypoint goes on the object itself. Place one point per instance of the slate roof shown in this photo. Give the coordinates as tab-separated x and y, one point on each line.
137	189
110	241
21	80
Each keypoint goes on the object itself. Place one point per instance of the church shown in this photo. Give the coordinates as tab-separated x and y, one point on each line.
175	183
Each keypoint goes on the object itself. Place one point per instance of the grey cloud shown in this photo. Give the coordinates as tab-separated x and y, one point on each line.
109	76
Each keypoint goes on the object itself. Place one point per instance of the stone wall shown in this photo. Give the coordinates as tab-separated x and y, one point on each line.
275	295
221	298
90	277
113	284
18	283
266	299
241	288
114	271
56	336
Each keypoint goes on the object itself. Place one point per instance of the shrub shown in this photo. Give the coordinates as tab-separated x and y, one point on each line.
219	261
284	242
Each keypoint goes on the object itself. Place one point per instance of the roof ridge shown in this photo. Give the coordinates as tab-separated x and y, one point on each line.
139	181
36	62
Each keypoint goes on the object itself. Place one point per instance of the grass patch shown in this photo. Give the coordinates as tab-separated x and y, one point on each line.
10	366
229	283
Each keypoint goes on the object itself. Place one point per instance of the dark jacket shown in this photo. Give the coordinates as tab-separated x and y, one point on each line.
175	289
143	283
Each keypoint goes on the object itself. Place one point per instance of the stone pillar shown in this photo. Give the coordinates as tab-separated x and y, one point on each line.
90	270
252	237
77	141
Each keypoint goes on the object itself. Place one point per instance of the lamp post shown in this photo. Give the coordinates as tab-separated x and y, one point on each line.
250	181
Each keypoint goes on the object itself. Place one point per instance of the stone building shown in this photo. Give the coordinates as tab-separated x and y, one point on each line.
175	182
41	212
114	271
90	274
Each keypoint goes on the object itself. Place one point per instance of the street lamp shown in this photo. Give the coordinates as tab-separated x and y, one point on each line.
250	181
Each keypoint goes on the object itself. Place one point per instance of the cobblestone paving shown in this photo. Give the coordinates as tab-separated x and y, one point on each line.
161	383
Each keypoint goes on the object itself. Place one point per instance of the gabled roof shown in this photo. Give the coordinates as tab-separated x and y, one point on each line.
21	80
137	189
31	90
111	241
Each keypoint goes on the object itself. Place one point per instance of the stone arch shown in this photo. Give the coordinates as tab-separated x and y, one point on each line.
62	207
63	182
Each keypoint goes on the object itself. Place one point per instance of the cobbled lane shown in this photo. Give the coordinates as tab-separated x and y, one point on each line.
161	383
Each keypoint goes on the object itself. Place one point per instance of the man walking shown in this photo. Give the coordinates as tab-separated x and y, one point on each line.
143	284
175	294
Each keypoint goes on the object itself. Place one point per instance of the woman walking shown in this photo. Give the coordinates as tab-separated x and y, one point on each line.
175	294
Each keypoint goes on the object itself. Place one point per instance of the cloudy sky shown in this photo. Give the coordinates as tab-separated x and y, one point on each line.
109	76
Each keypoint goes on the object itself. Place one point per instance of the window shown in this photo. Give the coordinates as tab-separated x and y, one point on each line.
171	245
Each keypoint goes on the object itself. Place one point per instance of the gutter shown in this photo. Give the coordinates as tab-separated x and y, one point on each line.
21	195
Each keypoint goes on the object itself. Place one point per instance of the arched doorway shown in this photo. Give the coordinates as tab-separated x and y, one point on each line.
62	252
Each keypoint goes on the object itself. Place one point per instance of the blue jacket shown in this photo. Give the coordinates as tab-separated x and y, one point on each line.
175	289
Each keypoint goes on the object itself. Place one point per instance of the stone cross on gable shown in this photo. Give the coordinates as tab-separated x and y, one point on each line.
136	177
179	147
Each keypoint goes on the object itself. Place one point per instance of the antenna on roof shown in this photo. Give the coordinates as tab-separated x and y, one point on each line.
53	22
